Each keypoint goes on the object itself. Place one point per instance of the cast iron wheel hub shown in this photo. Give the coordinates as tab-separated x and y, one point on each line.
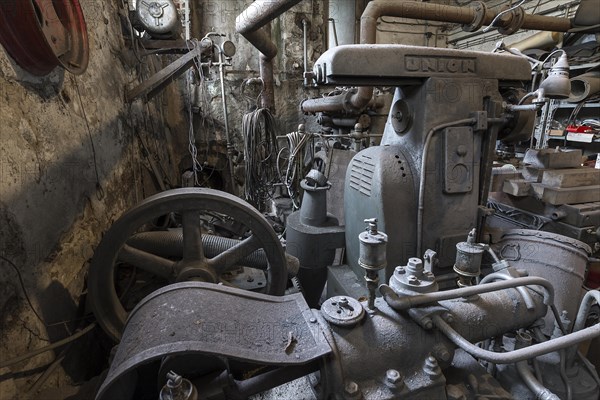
190	203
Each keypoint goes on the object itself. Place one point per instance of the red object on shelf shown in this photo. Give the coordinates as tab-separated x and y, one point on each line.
579	129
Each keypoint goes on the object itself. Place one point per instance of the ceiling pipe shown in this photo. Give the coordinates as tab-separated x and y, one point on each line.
252	23
467	16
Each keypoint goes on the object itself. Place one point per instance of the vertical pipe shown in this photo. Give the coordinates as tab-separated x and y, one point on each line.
305	37
253	24
226	120
265	64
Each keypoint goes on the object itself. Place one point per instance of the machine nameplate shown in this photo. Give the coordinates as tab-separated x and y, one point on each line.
440	64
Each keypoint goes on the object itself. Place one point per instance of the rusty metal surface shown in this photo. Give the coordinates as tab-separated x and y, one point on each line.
199	318
41	35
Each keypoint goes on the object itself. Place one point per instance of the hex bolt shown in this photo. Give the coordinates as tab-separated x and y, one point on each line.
444	355
400	270
393	377
427	323
415	265
351	388
432	368
413	280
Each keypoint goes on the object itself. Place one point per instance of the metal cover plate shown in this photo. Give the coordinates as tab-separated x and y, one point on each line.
202	318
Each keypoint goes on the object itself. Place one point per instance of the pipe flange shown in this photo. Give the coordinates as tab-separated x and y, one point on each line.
480	10
515	23
343	311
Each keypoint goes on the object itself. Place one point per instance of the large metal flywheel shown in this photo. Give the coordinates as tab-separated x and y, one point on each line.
190	234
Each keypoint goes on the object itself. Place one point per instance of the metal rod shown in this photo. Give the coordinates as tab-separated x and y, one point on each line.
226	119
520	354
335	38
404	303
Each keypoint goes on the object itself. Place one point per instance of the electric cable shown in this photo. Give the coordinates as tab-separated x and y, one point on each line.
52	346
260	153
25	294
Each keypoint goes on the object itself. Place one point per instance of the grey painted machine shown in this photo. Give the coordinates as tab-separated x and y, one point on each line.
427	183
421	191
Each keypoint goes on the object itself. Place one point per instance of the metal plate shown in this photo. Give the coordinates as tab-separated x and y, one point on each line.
208	319
343	311
458	151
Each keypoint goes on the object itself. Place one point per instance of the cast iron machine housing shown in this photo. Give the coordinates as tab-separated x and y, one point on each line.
425	188
427	184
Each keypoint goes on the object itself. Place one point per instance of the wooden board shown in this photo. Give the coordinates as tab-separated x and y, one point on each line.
574	177
556	196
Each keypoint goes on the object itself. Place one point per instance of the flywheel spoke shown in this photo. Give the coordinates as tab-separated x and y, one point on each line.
147	261
235	254
192	236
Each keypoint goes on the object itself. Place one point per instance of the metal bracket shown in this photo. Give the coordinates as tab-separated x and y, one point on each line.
157	82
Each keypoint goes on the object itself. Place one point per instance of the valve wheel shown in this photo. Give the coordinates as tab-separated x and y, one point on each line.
120	245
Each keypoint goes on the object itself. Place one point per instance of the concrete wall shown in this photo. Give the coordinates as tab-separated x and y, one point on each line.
219	16
61	186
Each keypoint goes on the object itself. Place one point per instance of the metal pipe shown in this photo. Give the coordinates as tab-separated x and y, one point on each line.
520	354
466	121
431	12
529	303
584	308
544	12
404	303
305	38
541	392
335	38
251	23
228	137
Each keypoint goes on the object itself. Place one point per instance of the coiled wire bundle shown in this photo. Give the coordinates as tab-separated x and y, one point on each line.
260	153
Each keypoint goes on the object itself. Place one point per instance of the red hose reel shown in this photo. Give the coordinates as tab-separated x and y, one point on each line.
42	34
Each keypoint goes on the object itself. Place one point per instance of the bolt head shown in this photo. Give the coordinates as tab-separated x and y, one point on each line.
413	280
415	262
427	323
351	388
393	376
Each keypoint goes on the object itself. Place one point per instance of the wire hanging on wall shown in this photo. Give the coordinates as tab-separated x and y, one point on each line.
260	153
